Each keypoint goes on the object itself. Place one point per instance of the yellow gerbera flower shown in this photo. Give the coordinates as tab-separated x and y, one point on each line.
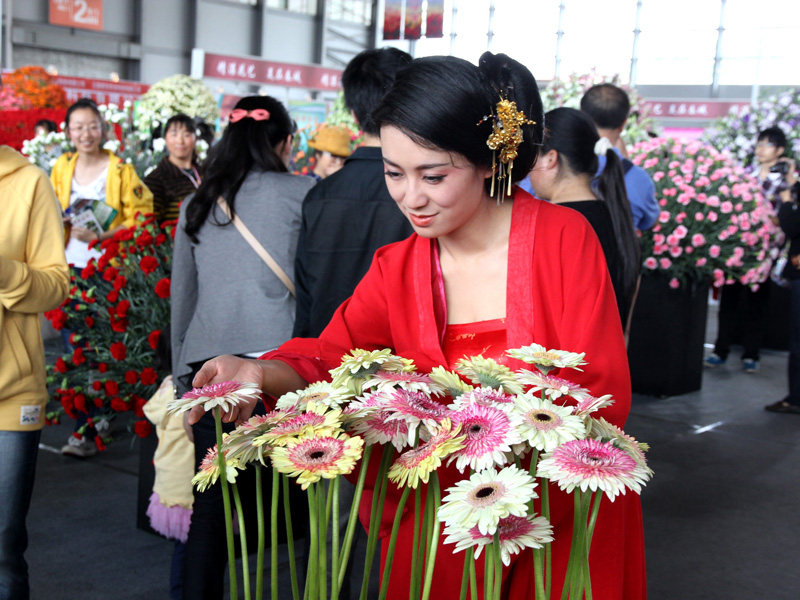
312	458
317	419
417	464
489	373
454	385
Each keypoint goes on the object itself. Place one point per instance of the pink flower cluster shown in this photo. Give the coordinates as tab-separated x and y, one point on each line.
714	223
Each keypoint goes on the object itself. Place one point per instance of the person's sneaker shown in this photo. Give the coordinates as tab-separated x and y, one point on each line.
79	448
784	407
750	365
714	361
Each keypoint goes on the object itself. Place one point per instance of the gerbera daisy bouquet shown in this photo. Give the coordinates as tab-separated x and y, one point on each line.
501	437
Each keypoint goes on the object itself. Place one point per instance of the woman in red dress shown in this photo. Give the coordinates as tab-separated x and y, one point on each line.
478	276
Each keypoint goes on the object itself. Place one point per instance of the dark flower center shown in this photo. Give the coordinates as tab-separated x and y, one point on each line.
316	455
543	417
484	492
475	429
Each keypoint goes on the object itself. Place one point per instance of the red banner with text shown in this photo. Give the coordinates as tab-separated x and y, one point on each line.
257	71
84	14
693	109
101	91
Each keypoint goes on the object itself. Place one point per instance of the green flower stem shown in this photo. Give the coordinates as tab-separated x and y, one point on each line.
548	576
576	495
226	504
287	511
433	546
398	515
378	499
312	580
242	542
324	510
273	534
581	569
532	473
498	565
473	578
412	588
465	575
335	540
538	570
593	519
488	571
344	556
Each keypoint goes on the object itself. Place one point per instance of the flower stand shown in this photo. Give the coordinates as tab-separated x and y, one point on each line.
668	330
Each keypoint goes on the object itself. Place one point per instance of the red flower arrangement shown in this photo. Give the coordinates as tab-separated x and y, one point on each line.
116	311
36	85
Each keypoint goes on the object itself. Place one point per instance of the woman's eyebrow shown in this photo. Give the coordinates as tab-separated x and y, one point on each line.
419	167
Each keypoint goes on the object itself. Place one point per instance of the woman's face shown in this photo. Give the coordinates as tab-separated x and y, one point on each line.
439	192
85	130
180	141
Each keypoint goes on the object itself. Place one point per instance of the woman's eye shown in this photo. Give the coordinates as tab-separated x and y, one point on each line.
391	174
433	178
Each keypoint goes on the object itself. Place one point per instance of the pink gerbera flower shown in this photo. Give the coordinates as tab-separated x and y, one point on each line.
414	408
490	432
483	395
407	380
376	428
224	395
595	465
514	532
314	457
316	420
590	404
554	387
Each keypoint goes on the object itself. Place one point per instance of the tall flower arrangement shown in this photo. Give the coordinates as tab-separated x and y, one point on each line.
117	308
714	222
172	95
568	92
36	86
738	134
509	433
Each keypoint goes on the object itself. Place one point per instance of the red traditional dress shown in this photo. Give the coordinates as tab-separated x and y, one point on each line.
559	295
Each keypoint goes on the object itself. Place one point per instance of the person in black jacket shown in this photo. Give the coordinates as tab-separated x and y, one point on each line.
789	218
349	215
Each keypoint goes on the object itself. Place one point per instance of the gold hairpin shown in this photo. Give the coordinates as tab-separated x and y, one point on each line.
506	136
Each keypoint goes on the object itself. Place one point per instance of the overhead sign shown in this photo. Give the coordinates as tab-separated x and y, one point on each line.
101	91
693	109
85	14
265	72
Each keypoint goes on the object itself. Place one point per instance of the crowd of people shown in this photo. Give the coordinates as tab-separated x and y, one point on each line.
276	276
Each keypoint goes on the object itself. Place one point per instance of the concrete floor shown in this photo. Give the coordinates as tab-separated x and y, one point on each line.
720	516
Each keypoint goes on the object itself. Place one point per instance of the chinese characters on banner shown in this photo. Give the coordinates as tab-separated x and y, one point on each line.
100	90
395	27
257	71
693	109
85	14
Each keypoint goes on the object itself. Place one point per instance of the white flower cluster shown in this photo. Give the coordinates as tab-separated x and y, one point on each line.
172	95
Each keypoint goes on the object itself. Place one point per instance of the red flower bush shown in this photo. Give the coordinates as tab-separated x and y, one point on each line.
119	316
142	428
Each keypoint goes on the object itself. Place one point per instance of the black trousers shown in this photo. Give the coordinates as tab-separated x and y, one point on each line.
742	310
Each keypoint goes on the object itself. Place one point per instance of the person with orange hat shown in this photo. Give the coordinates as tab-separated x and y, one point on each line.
331	145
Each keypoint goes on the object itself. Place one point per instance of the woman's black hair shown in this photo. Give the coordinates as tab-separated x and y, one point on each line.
246	145
573	135
81	104
180	119
49	125
442	101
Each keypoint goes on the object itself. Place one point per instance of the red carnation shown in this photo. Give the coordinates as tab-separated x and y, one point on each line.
86	297
97	386
80	403
60	366
112	387
119	325
98	441
58	319
77	356
98	402
89	321
138	406
149	376
102	367
112	296
124	235
94	243
120	282
152	339
160	239
111	249
142	428
88	270
102	263
110	274
118	351
131	377
162	288
118	404
122	308
144	239
148	264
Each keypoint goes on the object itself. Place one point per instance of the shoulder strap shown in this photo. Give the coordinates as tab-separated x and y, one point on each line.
256	245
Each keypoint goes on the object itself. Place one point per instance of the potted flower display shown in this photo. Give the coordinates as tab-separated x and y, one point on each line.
714	228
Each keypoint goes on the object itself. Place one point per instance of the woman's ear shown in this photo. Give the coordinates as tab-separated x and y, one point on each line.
549	160
285	150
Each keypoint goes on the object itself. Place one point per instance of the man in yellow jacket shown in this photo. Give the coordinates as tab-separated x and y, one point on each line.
33	278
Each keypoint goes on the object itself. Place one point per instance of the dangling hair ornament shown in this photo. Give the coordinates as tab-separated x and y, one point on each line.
506	137
602	146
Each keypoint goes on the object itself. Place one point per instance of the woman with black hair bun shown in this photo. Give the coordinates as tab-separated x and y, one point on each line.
488	268
565	175
225	298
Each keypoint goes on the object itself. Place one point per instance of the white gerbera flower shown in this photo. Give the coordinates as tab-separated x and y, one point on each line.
486	497
546	360
489	373
320	392
515	533
546	425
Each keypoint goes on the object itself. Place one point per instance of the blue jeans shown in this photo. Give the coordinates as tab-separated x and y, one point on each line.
19	450
794	343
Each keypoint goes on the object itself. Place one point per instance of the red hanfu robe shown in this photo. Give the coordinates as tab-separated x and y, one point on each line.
559	295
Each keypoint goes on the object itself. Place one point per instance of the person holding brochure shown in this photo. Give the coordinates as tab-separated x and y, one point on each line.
99	195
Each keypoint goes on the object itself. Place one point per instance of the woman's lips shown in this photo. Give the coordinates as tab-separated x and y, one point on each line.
421	220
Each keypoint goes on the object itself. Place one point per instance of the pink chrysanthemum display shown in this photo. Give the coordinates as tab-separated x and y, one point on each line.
208	472
592	465
224	395
414	408
490	432
315	457
546	425
418	463
514	532
486	497
554	387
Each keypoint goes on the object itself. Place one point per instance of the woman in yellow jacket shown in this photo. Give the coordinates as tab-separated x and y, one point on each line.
97	174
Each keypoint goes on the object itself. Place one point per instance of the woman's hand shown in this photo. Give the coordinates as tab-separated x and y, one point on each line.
229	368
84	235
